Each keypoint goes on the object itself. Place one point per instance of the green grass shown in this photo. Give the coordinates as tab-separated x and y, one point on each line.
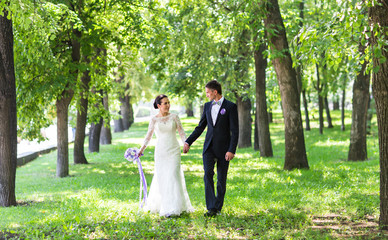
100	200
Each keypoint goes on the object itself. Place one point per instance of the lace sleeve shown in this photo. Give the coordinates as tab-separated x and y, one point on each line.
151	128
180	129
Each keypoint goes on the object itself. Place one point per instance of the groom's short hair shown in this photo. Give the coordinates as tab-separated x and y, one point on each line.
214	85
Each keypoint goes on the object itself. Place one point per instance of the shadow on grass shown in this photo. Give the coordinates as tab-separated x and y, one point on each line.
101	199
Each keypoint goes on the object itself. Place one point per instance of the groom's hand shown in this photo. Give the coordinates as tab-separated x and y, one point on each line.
186	148
229	156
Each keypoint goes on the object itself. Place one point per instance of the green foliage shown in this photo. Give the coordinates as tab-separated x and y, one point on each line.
44	33
330	38
101	199
42	67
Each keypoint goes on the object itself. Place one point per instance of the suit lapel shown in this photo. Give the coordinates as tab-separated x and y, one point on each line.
219	111
209	113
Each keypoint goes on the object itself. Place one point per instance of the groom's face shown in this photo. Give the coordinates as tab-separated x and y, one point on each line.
211	94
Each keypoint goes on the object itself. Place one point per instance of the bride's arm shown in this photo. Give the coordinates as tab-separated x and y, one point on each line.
181	131
147	139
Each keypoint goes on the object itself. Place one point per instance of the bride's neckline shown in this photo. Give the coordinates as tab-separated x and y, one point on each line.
158	116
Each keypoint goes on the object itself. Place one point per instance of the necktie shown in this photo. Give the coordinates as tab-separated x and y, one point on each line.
215	102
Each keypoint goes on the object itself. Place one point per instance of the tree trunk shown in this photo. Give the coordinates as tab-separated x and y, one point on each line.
320	110
94	136
62	105
245	122
306	110
295	150
320	100
131	112
371	110
270	116
8	118
189	109
79	140
118	123
358	147
343	110
95	128
126	111
378	18
328	116
265	144
336	105
106	134
256	143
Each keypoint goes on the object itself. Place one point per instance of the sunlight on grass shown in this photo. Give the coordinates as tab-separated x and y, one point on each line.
131	141
331	142
100	200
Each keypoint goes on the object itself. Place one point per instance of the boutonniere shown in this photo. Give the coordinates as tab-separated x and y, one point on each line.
223	111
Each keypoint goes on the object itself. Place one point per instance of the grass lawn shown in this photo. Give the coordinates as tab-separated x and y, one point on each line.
100	200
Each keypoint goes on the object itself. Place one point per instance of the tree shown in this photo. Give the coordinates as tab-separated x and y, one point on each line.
47	68
96	121
328	115
358	148
319	88
264	137
298	69
189	108
8	128
106	133
326	44
83	102
295	151
379	23
62	104
244	105
126	109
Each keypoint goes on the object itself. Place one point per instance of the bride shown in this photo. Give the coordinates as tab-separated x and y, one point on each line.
168	195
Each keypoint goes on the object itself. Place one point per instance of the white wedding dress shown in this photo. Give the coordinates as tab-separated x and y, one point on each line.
168	195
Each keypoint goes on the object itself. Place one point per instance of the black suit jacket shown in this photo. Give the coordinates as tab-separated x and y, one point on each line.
224	134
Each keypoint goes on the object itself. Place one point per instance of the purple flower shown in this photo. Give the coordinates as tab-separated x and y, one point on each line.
131	154
223	111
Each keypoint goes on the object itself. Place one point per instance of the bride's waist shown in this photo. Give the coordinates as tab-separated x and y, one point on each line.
168	143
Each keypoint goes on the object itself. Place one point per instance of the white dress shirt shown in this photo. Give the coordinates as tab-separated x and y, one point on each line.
216	105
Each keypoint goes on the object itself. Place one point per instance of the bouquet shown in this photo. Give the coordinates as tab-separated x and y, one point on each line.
132	155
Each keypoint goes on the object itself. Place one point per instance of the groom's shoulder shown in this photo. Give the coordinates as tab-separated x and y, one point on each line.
230	103
207	103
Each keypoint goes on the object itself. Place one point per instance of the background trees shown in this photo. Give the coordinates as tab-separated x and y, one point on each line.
176	47
76	53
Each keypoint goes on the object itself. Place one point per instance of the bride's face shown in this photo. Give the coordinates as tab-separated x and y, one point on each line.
164	106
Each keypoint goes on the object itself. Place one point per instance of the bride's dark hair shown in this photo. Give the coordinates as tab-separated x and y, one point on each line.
158	100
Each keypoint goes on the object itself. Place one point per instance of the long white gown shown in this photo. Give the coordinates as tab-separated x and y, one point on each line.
168	195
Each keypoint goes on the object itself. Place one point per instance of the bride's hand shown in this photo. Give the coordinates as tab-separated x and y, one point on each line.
140	153
186	148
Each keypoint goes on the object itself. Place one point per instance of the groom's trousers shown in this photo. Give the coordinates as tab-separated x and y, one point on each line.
214	202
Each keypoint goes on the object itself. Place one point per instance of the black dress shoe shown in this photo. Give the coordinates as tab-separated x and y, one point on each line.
211	213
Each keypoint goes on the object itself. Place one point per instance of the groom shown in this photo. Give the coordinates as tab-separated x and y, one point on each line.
220	117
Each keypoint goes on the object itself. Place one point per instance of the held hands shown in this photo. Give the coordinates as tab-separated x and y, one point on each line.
186	147
229	156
